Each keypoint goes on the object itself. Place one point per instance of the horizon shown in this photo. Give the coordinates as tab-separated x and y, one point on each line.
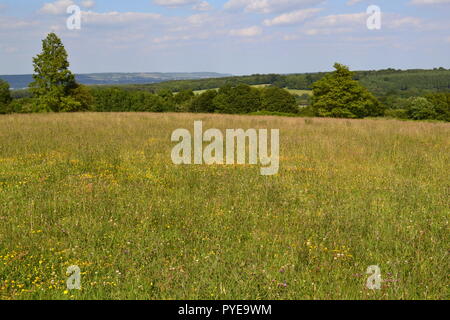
230	74
238	37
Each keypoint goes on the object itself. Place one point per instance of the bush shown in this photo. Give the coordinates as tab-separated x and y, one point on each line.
83	99
441	103
420	108
5	97
23	105
237	100
396	113
204	103
278	100
119	100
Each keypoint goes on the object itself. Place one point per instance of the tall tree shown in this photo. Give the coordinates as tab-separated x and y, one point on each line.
5	96
338	95
54	85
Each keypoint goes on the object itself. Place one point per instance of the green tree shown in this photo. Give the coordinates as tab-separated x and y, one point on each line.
420	108
54	86
338	95
204	103
278	100
441	103
237	100
183	100
5	97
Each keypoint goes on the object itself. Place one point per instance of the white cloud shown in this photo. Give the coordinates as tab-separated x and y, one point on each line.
109	18
246	32
10	23
357	22
199	19
88	4
399	22
292	17
57	7
175	3
422	2
269	6
352	18
352	2
202	6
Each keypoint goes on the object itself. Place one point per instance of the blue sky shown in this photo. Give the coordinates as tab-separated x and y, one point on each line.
228	36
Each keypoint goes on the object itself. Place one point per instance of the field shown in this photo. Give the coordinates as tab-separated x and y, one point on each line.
292	91
100	191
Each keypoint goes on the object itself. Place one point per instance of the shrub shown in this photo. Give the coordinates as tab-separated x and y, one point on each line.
278	100
5	97
204	103
420	108
237	100
441	103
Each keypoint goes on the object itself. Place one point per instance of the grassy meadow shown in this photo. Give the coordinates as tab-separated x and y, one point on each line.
100	191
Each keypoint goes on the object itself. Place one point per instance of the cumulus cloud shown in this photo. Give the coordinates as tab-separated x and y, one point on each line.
424	2
114	17
175	3
88	4
269	6
246	32
352	2
336	23
57	7
199	19
202	6
292	17
11	23
356	22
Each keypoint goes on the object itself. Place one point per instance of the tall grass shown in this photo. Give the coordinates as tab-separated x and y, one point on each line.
100	191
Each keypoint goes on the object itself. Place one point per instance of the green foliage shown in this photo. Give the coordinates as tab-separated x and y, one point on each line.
54	86
204	103
396	113
441	104
23	105
338	95
278	100
119	100
182	100
83	99
420	108
307	111
384	84
237	100
5	97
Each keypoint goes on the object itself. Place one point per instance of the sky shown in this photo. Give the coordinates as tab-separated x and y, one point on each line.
229	36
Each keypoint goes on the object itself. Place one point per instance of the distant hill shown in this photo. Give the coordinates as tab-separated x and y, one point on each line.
403	83
22	81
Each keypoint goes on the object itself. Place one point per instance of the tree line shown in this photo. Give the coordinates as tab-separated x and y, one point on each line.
341	93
